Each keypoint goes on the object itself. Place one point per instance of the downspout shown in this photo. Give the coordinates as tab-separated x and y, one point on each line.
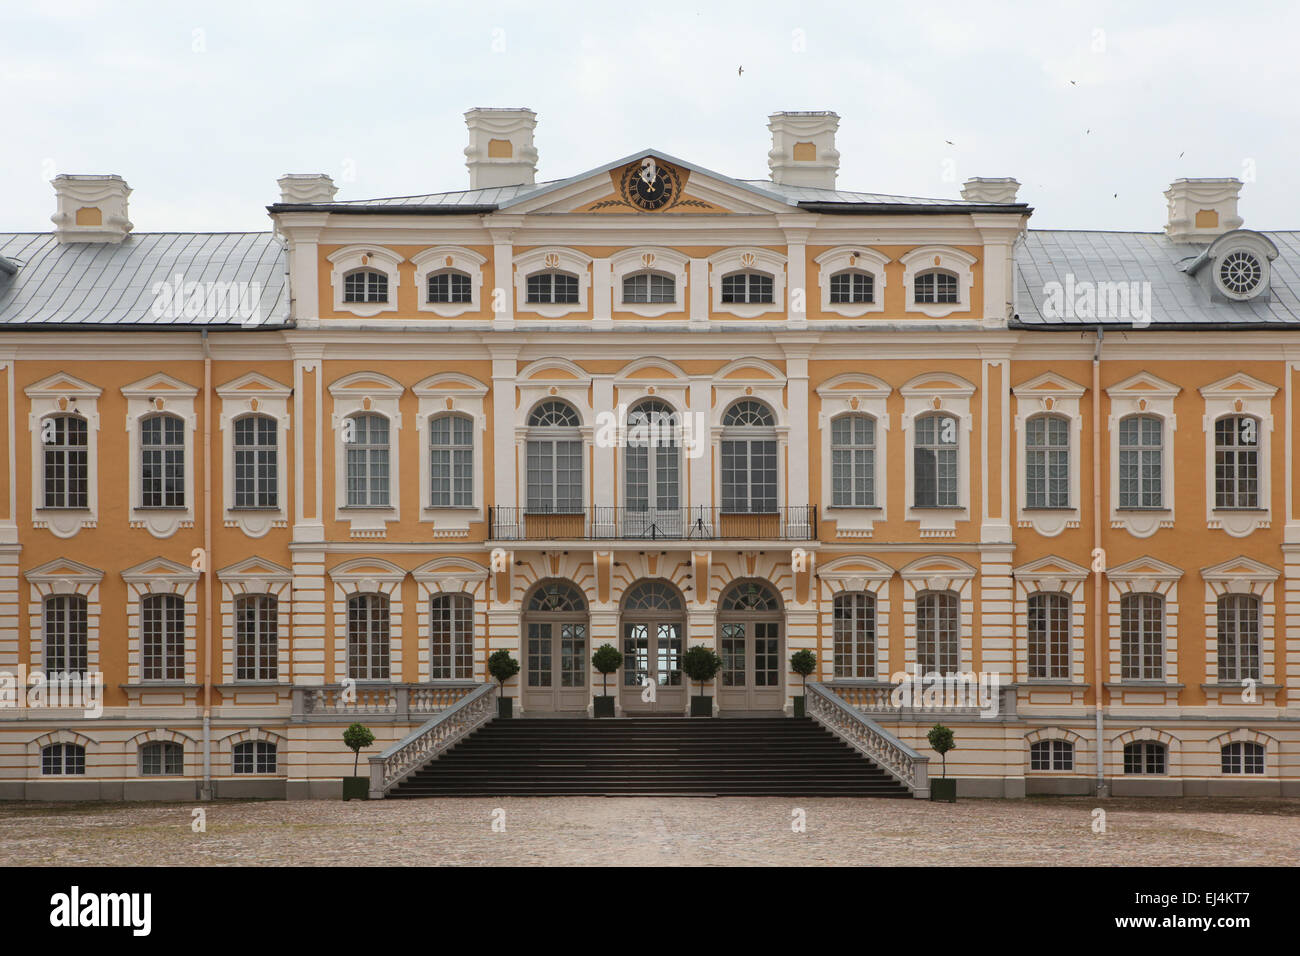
1098	565
206	793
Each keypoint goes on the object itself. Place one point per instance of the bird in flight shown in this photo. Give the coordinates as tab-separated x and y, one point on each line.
740	71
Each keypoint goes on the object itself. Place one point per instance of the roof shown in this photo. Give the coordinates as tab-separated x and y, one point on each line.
127	284
1176	300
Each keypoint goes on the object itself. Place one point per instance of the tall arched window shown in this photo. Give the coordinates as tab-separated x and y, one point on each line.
1049	636
652	472
67	477
162	637
554	459
451	461
65	634
1047	462
1236	462
451	637
1141	462
256	480
1142	637
938	632
368	647
855	634
162	462
365	285
257	642
1238	637
749	475
853	461
367	462
934	465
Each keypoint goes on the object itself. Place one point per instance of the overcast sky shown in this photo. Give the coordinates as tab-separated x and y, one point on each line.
1095	107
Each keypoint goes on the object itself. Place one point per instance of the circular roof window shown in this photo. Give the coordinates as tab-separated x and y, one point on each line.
1240	274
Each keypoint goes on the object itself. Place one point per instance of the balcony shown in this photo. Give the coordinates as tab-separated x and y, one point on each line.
616	523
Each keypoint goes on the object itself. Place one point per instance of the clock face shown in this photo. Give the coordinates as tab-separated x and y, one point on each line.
650	186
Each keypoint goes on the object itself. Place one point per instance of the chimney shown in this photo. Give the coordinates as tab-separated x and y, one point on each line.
306	188
500	151
803	148
990	189
1202	209
90	208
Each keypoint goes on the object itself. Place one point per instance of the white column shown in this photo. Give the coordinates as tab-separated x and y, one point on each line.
603	477
502	295
602	294
504	367
798	451
699	291
700	489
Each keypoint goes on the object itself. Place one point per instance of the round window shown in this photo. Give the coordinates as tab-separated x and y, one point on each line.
1240	273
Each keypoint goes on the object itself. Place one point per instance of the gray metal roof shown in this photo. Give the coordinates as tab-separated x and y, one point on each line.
95	284
1177	299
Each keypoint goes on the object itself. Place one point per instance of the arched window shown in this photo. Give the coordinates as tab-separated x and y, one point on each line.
1142	637
451	637
552	287
1047	462
256	480
749	459
651	596
450	286
365	285
1238	637
368	648
652	473
451	461
1244	756
1236	462
752	287
1051	755
936	286
853	461
938	632
554	459
852	286
162	758
67	477
935	461
1049	636
649	288
162	462
253	756
367	462
855	634
67	646
557	596
162	637
1141	462
58	760
257	643
1146	756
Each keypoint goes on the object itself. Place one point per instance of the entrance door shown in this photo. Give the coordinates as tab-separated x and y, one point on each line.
653	630
750	642
555	650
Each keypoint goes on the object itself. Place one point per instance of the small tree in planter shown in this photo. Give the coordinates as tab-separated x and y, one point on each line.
354	738
503	667
802	663
701	665
607	660
941	741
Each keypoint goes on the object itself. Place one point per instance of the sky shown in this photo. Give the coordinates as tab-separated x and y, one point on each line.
1094	107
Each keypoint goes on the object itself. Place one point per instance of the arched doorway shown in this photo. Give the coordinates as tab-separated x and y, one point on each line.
751	642
653	634
555	649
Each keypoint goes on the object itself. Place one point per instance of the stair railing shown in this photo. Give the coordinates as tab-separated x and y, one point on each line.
440	732
863	734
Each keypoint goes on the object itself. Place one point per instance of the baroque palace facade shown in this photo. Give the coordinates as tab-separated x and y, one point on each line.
269	484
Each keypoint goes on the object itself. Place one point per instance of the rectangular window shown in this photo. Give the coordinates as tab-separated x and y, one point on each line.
451	462
1238	637
935	462
162	462
937	633
554	476
749	476
1236	462
853	461
66	642
257	653
256	479
1047	462
451	635
1141	462
855	635
1146	757
67	477
1049	636
162	637
1142	637
368	642
367	462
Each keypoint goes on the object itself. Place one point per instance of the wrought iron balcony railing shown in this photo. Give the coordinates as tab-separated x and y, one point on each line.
697	523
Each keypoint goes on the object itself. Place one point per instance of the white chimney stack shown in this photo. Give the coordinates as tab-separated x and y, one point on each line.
90	208
306	188
990	189
500	151
1202	209
803	148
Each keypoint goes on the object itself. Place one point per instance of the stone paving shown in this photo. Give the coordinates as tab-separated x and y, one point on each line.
657	831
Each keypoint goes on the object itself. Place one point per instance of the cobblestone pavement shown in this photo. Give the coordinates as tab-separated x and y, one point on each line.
656	831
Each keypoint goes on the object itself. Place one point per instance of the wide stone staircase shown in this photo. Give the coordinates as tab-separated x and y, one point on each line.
777	756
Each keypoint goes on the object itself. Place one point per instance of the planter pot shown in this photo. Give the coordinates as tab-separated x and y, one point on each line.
356	788
602	706
701	706
505	707
944	789
799	707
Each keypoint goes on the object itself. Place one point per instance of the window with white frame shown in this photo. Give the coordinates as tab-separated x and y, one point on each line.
63	419
367	461
1049	636
938	632
1141	462
63	760
649	288
451	461
748	287
938	280
1146	757
448	280
365	279
853	461
547	288
1238	637
852	287
66	635
365	285
936	287
162	758
162	637
852	280
450	287
256	465
653	467
854	616
67	475
257	645
162	462
935	471
1047	462
368	637
1142	637
1051	755
253	756
749	467
451	637
1236	462
1238	428
1242	756
554	453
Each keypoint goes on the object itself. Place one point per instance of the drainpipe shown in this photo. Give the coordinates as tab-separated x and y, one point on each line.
206	792
1098	592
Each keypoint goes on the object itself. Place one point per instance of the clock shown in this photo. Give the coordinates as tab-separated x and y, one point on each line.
650	186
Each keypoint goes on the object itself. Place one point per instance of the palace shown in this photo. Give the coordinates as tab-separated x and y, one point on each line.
261	486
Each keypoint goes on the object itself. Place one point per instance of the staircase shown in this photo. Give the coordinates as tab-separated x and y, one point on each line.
639	756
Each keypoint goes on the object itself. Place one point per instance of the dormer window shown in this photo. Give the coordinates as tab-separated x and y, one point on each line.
852	287
365	285
546	288
936	287
649	287
747	287
450	287
1240	273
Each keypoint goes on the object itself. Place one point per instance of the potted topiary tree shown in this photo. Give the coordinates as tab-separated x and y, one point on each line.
802	663
503	667
354	738
607	660
941	741
701	665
